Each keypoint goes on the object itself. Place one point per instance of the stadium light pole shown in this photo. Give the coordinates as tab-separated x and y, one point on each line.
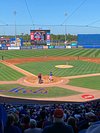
65	27
15	26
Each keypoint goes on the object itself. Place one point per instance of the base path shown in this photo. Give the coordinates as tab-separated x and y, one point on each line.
31	80
18	69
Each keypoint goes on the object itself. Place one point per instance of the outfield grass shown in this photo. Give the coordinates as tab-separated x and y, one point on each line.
7	73
87	82
80	68
8	54
35	92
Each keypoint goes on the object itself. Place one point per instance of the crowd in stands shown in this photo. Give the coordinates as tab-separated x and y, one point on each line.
52	118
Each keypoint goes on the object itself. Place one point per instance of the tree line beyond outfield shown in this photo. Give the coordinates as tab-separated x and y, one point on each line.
55	39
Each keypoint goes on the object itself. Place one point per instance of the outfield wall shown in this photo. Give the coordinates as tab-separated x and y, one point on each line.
48	47
34	47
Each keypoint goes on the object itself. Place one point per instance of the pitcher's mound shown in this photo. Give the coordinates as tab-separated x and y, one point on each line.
64	66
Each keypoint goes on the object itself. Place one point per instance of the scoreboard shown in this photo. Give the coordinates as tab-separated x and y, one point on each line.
40	37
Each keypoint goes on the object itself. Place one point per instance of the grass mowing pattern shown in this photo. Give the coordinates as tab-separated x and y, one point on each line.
87	82
80	68
8	54
8	74
52	91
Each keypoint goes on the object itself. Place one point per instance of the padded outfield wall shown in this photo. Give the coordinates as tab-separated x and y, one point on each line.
88	40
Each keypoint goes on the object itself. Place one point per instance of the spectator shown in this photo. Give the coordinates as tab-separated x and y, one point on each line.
58	126
94	128
10	127
23	111
25	123
47	121
72	121
3	117
33	128
42	115
90	119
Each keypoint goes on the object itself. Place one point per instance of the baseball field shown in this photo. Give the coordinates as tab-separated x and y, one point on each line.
76	74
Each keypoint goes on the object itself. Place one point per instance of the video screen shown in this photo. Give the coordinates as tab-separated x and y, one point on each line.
40	36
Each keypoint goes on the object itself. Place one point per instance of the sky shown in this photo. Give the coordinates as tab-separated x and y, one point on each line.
60	16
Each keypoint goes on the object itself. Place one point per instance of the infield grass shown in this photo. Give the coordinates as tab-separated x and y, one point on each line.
79	68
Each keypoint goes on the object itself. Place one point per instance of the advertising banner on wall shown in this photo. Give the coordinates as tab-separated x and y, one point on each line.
45	47
4	48
68	46
25	47
50	47
60	47
13	48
